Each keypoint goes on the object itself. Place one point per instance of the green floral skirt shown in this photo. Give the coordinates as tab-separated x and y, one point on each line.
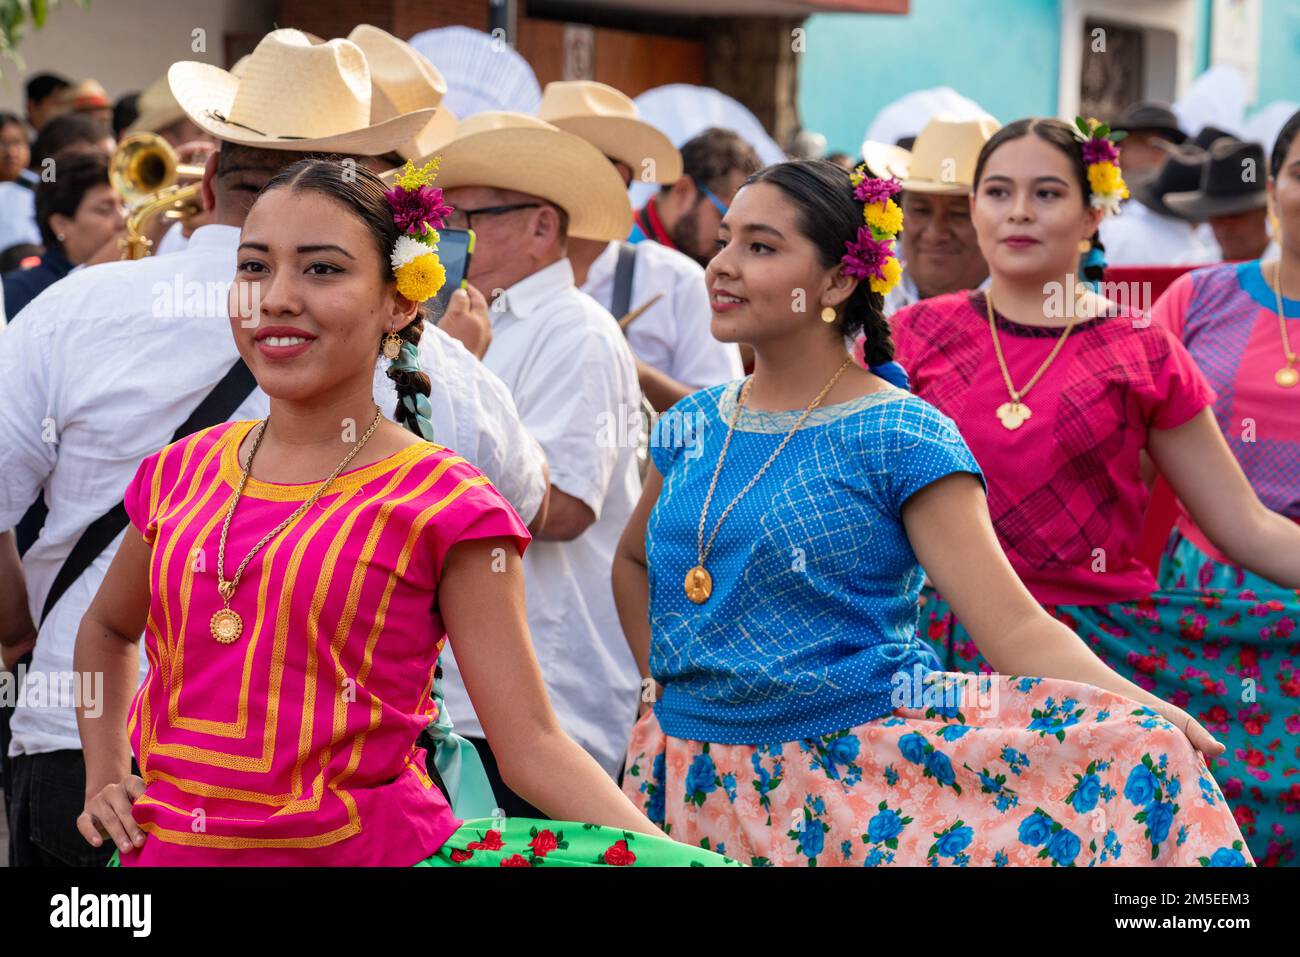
525	842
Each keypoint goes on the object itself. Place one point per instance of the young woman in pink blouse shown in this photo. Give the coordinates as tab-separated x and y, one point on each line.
293	622
1059	393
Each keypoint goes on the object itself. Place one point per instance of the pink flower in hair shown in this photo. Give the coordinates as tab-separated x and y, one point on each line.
874	190
866	258
1099	150
413	209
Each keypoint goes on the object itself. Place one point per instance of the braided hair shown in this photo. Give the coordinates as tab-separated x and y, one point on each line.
361	192
829	217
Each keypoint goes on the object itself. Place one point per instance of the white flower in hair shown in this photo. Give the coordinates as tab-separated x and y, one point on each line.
407	249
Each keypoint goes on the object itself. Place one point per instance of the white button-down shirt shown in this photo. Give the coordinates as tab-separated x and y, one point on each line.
574	382
673	335
18	216
99	371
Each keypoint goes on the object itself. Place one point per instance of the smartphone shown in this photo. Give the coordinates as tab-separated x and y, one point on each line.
455	247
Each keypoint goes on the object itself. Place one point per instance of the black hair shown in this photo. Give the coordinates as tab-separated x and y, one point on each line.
7	118
361	192
829	216
1282	145
1050	130
64	130
1061	135
125	112
711	156
79	171
42	85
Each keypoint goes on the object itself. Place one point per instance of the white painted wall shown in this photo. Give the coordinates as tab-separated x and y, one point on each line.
127	44
1171	27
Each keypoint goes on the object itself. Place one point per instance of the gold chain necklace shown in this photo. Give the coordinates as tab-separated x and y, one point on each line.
226	624
699	583
1015	413
1287	377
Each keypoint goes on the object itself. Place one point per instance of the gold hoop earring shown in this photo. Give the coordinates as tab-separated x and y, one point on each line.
828	314
392	346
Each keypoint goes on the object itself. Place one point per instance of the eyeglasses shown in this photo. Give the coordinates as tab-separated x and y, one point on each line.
464	218
713	198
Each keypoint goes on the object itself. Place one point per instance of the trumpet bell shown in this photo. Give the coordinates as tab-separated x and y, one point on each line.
144	164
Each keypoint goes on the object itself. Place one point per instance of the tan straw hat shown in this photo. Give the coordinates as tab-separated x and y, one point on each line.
158	108
942	160
519	152
84	95
608	120
403	81
293	95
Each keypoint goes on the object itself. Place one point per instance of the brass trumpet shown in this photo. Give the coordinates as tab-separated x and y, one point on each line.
147	173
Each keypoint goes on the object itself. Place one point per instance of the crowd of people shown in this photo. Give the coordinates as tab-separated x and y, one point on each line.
791	519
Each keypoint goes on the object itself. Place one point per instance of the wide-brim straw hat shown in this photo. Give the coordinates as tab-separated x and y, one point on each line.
515	151
84	95
403	81
941	161
158	109
293	94
609	121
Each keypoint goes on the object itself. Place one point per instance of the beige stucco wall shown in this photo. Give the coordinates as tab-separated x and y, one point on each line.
127	44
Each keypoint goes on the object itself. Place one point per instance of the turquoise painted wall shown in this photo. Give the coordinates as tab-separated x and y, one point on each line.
1204	18
1279	51
1004	54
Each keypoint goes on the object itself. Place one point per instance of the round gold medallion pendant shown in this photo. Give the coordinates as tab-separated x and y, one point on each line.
1013	415
226	626
1287	378
699	585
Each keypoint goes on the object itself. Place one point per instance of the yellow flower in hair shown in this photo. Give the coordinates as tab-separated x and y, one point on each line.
884	217
421	278
893	271
1105	178
411	179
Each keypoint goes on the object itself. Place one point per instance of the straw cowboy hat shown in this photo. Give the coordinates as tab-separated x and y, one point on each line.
403	81
158	108
609	121
85	95
519	152
942	160
293	95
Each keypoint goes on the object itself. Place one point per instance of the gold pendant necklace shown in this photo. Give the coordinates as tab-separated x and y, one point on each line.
226	623
1287	377
1015	413
699	583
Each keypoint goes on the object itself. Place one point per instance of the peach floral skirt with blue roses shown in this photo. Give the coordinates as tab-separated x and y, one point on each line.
1009	771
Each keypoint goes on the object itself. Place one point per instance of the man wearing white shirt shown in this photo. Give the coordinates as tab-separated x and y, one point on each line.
523	186
663	289
672	336
1149	233
99	371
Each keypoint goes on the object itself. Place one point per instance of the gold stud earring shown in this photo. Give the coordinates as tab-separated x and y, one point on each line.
392	345
828	314
1085	245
